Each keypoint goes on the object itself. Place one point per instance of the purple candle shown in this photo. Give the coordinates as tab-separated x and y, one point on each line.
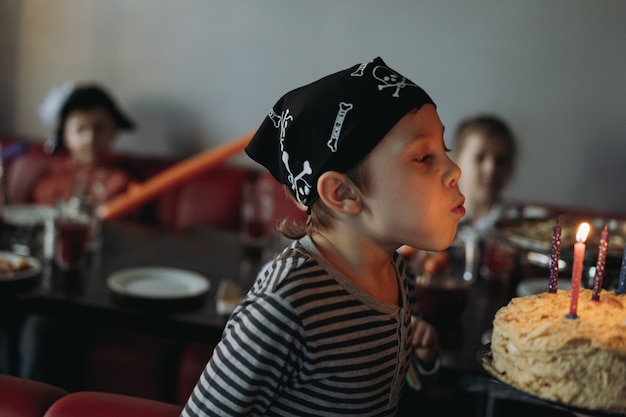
621	283
555	255
597	282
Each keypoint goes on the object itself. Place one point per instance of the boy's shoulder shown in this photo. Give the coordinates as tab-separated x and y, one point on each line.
292	263
296	269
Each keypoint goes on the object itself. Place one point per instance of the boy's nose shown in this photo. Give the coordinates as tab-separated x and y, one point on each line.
489	166
453	174
88	136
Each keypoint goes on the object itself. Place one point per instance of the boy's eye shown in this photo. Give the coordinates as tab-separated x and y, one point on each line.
423	158
448	150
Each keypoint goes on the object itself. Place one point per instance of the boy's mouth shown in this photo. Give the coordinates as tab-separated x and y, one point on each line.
459	208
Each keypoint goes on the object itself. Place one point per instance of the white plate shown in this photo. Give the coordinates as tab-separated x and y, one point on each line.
34	267
28	214
158	283
531	286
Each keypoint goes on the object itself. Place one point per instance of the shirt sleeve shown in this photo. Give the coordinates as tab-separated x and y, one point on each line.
418	374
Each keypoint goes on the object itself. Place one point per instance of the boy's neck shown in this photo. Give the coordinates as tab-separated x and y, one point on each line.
361	261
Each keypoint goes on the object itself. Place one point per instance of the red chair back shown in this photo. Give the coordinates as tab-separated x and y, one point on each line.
101	404
21	397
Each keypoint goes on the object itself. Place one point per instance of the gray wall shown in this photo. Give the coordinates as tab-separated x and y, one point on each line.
195	73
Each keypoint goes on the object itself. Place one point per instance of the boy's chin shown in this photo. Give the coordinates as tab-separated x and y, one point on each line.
445	245
439	244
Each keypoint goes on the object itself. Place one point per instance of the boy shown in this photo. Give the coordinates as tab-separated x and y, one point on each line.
327	327
485	149
88	122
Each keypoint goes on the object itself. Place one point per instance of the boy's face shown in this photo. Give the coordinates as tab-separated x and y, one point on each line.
486	167
88	134
413	196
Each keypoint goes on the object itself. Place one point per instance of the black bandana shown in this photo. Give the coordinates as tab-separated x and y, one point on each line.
332	124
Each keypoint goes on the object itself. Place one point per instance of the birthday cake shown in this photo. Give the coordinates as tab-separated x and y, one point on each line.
579	362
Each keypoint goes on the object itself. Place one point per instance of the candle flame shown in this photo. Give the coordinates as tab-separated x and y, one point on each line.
583	231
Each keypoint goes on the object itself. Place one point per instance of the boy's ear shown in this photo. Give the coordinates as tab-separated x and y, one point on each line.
338	192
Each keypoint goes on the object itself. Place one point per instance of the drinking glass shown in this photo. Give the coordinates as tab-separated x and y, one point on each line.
499	258
256	224
257	212
73	226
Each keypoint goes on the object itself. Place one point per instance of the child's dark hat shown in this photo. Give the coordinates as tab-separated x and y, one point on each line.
332	124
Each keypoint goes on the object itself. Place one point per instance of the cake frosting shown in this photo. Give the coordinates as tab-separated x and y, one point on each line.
579	362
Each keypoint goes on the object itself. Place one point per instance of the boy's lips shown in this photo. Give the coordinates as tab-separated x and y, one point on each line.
458	208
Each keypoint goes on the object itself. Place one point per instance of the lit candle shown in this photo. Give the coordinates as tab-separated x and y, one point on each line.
577	268
597	282
554	258
621	283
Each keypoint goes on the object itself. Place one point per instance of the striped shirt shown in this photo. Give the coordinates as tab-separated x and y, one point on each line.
307	341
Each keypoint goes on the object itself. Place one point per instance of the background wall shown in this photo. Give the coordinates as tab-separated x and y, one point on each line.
195	73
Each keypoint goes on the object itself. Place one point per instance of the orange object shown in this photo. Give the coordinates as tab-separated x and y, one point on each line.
436	263
164	181
407	251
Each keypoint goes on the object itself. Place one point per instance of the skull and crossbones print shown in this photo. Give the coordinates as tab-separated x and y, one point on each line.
298	176
391	79
299	184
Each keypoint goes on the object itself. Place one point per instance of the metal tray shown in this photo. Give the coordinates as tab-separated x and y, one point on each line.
535	234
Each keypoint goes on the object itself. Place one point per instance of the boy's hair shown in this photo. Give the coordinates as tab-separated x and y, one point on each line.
491	126
331	125
320	216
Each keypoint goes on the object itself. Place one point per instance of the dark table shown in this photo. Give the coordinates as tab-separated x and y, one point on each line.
83	294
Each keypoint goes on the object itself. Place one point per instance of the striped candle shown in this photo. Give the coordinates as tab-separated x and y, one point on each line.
597	282
555	255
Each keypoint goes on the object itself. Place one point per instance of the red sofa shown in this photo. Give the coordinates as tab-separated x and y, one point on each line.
212	199
25	398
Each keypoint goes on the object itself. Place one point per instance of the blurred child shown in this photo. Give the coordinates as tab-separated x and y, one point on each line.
486	151
79	170
327	328
87	121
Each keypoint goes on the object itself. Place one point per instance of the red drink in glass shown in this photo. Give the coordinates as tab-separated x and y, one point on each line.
72	243
255	229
